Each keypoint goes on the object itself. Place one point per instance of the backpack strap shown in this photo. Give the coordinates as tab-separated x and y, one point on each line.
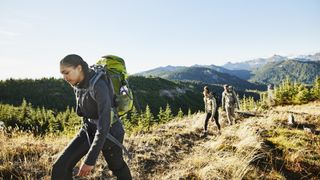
115	141
92	82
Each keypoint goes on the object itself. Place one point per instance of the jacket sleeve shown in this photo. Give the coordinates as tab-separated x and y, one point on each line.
214	106
78	110
236	98
205	104
103	100
223	100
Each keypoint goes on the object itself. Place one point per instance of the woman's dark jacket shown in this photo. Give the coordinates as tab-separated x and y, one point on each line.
97	111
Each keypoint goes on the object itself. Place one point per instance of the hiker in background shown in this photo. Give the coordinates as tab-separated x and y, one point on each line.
229	103
97	116
211	109
271	100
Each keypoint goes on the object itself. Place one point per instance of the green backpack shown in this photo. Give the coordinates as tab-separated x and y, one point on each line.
114	68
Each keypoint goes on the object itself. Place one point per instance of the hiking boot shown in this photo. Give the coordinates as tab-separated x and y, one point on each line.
204	134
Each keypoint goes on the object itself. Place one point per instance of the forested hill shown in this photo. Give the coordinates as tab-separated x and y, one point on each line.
275	72
48	92
209	75
56	94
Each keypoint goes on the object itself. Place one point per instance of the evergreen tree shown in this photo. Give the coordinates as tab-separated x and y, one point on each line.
316	89
161	115
148	118
243	103
180	113
263	102
303	95
134	117
167	114
144	120
189	113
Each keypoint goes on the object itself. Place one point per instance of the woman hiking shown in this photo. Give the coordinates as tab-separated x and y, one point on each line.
211	109
97	123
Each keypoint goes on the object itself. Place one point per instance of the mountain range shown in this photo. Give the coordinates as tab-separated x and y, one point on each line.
206	74
256	63
250	74
275	72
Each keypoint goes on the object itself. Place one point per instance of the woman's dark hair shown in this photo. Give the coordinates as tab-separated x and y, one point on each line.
74	60
206	88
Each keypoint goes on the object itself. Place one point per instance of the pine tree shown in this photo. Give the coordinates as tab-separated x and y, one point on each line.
134	117
24	110
316	89
180	114
189	113
243	103
148	118
303	95
168	114
161	115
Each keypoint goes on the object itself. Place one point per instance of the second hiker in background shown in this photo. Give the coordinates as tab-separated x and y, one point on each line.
211	109
229	103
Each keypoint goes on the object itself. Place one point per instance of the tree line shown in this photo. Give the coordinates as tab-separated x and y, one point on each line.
286	93
41	121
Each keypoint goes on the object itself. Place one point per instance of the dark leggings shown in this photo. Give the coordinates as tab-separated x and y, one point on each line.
216	118
79	146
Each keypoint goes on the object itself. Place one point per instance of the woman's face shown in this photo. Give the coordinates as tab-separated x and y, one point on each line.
73	75
205	93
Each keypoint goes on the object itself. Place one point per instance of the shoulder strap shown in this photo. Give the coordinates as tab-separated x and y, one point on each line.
115	141
93	81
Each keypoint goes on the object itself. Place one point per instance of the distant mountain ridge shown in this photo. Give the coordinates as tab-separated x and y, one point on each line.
243	74
160	71
207	74
261	71
256	63
275	72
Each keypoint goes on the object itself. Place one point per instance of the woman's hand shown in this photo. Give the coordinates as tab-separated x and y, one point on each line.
85	170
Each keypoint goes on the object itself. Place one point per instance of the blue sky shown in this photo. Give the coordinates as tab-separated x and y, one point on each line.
35	35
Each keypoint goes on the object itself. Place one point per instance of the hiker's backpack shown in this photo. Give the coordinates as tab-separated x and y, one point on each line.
114	67
230	99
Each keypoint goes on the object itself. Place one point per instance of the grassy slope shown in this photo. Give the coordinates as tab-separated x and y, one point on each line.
256	148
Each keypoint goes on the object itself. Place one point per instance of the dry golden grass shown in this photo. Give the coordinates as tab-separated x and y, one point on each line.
256	148
24	156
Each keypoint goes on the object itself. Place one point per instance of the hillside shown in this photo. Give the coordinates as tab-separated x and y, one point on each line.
259	62
56	94
301	68
160	71
275	72
254	63
243	74
47	92
164	72
210	75
260	147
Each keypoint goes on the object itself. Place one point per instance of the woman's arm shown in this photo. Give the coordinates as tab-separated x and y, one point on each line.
214	106
103	100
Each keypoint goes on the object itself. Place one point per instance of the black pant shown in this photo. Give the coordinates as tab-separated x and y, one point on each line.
79	146
216	118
